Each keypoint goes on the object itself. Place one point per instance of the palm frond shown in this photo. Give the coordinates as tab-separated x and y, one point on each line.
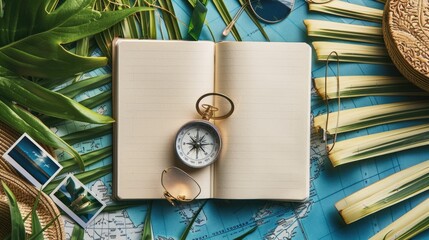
356	53
409	225
378	144
348	10
363	117
344	31
358	86
384	193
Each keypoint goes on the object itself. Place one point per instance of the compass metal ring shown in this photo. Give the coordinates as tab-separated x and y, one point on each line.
197	105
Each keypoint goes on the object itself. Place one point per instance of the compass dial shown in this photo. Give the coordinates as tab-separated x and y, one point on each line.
198	143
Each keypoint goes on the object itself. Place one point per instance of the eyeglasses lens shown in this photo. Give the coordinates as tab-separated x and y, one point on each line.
272	11
180	185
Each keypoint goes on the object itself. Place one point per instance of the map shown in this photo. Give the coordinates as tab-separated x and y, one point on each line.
316	218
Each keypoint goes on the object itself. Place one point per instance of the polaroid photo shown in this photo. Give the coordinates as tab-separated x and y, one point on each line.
32	161
75	199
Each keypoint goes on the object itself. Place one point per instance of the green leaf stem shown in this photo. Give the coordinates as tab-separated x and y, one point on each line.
147	227
82	86
44	228
78	233
87	134
244	235
18	229
129	24
90	103
36	227
147	21
45	101
97	100
170	19
198	18
255	20
191	222
85	177
87	158
1	9
226	17
128	28
23	121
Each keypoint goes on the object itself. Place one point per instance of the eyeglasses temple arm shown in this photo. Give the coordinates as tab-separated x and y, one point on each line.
234	20
169	198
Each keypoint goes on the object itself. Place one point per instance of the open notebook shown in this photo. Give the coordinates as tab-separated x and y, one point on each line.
266	142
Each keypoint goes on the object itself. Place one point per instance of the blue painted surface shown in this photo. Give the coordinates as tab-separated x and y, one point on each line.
315	219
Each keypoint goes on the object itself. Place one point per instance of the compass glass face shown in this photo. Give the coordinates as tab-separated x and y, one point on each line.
198	143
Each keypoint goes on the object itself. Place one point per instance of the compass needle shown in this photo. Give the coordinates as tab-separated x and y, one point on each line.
190	151
198	134
203	150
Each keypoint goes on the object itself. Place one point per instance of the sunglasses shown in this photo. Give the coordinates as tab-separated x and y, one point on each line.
269	11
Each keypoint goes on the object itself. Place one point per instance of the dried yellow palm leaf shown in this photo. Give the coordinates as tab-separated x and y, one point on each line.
350	10
344	31
363	117
357	86
384	193
352	52
378	144
407	226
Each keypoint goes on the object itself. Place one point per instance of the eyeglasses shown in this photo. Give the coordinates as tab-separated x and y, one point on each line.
179	186
325	137
269	11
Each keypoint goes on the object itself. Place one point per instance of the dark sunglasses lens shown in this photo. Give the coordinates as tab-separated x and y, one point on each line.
272	10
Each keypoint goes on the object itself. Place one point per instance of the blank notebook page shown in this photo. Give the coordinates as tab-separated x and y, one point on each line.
156	86
267	139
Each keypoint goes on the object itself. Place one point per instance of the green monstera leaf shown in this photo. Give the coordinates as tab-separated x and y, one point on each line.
31	37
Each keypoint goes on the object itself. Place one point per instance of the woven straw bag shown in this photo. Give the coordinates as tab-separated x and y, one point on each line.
405	32
25	194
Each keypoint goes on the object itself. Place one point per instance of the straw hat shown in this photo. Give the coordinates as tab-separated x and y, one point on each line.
407	39
25	194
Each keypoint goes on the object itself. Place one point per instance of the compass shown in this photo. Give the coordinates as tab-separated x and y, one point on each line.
198	143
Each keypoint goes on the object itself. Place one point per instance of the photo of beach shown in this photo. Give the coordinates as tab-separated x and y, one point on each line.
32	161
